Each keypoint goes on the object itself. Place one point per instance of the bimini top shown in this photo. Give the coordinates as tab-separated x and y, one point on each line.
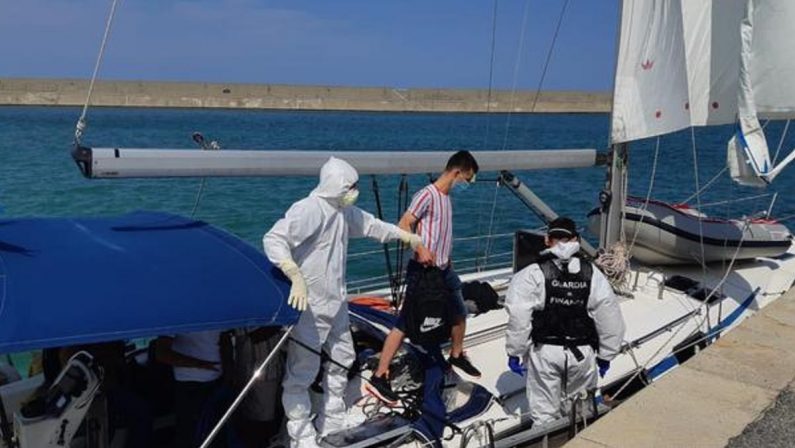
75	281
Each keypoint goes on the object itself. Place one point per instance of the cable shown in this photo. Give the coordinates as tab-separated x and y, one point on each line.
491	73
81	122
549	55
379	211
781	142
517	62
707	185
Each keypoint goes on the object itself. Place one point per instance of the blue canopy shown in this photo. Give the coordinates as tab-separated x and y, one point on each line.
74	281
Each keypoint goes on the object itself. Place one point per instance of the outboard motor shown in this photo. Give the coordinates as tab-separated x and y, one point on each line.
52	419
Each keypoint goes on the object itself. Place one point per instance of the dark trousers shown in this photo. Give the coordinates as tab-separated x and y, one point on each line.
190	398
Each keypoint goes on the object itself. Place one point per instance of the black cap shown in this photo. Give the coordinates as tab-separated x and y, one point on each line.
562	228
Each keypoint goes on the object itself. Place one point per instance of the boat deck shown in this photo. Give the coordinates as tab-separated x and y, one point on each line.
713	397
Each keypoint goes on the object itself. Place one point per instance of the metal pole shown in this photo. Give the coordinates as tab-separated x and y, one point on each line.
536	204
613	197
245	390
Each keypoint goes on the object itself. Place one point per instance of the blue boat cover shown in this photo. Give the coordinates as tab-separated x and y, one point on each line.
75	281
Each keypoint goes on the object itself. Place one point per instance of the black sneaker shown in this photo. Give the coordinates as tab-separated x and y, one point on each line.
462	363
379	387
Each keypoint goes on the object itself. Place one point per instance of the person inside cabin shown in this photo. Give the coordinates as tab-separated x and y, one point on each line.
310	246
431	214
196	359
259	415
564	324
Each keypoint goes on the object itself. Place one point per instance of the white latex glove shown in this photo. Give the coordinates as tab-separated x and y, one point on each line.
410	239
298	295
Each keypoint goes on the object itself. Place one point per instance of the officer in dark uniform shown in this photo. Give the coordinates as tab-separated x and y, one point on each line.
564	323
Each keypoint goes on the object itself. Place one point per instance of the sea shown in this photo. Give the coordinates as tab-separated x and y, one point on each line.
39	178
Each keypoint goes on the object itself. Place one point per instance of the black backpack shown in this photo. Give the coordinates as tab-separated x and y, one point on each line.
482	295
427	306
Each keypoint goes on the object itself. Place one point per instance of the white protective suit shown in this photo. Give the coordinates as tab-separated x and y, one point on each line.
314	232
546	363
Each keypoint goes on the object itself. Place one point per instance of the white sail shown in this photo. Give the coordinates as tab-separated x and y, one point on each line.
748	155
651	87
679	64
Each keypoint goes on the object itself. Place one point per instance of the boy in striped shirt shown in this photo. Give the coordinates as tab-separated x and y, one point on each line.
431	214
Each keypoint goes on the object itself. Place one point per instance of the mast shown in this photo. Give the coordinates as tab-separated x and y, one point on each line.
613	197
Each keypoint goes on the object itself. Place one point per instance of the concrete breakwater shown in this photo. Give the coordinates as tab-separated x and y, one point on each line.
57	92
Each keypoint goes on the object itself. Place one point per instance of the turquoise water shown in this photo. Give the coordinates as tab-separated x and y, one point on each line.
38	177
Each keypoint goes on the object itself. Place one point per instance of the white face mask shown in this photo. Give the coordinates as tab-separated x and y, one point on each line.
349	198
566	250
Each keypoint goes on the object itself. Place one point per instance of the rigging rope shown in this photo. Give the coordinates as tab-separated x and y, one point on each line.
648	196
81	122
491	73
488	99
549	55
704	188
781	142
388	259
698	205
491	228
516	65
704	306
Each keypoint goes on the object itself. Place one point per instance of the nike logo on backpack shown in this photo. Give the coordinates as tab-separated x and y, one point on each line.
430	323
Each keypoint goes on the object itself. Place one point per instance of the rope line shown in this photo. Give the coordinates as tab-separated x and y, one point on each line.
81	122
491	73
707	185
698	205
516	65
549	55
704	306
781	142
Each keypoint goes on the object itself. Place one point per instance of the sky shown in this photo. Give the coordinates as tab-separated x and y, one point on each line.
394	43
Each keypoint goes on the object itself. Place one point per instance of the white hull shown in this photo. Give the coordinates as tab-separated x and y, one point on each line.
659	320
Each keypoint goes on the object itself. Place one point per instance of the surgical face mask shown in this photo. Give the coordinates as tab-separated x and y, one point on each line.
462	185
349	198
459	187
565	250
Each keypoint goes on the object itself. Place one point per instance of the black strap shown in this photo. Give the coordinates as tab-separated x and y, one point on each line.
576	352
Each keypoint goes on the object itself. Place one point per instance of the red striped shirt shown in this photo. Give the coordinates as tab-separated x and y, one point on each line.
434	211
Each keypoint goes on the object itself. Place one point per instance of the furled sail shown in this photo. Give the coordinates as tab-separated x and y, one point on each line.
680	64
762	42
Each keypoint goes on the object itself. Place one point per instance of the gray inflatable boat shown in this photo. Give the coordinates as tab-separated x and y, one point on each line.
665	234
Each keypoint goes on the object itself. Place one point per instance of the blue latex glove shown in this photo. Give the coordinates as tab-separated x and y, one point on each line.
516	366
603	365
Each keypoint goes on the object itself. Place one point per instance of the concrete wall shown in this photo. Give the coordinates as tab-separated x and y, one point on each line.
270	96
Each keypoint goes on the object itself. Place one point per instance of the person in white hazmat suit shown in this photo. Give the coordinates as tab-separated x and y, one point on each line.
564	324
310	246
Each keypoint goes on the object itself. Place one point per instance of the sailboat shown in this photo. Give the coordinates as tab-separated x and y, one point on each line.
680	64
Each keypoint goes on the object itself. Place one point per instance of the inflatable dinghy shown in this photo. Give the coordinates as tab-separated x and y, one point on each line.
671	234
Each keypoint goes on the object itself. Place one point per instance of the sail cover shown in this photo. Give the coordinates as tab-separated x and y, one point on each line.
75	281
680	64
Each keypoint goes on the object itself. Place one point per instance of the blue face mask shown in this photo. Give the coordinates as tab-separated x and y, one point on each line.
459	187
